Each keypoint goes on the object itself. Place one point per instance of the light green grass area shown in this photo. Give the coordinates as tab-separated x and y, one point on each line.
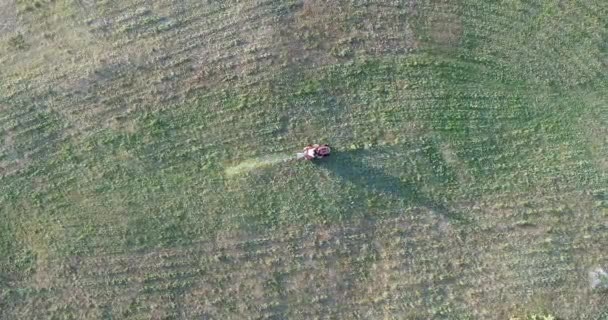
145	171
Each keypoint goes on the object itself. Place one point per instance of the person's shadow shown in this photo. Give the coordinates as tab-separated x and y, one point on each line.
348	166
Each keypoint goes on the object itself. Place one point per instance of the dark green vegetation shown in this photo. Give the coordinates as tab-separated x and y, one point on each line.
470	178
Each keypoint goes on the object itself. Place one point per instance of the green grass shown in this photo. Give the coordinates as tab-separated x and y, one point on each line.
469	177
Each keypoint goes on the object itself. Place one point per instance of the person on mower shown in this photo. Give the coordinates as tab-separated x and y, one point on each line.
316	151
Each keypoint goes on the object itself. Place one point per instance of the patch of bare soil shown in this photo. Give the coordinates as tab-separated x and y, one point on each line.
310	270
444	27
447	31
597	134
153	55
451	158
8	17
326	31
308	34
11	162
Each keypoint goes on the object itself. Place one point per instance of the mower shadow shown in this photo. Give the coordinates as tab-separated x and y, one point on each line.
349	167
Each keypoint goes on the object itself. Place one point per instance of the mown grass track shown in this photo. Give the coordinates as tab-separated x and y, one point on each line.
469	179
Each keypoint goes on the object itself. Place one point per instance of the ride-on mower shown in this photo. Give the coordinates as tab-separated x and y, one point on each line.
315	151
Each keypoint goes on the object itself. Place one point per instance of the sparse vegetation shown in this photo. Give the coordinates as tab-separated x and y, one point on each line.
535	316
469	177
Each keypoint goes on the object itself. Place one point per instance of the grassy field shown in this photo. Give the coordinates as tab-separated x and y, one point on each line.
469	179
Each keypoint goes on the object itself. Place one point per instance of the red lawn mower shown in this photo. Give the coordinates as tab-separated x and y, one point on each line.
315	151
